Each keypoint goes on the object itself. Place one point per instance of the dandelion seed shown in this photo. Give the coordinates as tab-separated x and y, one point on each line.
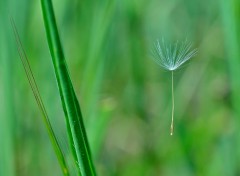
171	58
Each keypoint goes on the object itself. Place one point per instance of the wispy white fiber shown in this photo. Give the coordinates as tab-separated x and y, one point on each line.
171	57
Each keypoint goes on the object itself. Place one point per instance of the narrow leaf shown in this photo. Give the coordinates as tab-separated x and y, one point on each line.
38	98
76	130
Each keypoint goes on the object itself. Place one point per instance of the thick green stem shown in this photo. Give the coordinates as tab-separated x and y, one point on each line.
76	130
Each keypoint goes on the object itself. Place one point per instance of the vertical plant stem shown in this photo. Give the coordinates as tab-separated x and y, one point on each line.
171	132
76	129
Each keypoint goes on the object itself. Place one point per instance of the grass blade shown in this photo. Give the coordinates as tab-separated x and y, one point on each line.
38	98
74	121
231	24
7	120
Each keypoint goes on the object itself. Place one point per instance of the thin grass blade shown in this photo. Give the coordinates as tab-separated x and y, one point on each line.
38	98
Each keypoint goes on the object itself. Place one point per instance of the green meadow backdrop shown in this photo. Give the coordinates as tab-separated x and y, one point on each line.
125	97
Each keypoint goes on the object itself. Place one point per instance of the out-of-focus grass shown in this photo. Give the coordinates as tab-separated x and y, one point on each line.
7	152
7	120
230	15
230	19
123	94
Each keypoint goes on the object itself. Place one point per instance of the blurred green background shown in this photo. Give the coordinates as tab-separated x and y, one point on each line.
125	97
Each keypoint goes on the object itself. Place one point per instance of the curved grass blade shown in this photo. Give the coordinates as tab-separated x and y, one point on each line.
38	98
76	130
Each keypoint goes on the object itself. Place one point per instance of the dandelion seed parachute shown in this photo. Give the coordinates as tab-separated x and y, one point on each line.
171	58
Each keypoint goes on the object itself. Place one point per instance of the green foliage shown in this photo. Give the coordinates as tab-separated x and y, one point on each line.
125	98
7	120
76	129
